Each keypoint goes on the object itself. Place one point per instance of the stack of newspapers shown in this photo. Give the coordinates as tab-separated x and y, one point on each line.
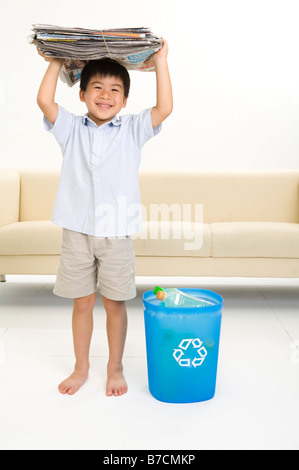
129	46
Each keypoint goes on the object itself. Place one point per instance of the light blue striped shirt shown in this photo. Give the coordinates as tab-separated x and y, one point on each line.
98	191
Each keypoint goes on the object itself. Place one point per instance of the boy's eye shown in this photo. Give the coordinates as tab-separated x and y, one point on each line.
113	89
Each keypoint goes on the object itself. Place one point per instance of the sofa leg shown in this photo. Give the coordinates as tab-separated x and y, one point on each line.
2	278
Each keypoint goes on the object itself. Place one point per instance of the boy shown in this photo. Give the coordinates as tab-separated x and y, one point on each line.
96	201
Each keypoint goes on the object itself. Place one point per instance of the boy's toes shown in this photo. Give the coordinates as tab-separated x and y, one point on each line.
62	388
116	384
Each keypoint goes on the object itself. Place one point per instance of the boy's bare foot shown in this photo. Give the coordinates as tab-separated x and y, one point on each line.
72	384
116	383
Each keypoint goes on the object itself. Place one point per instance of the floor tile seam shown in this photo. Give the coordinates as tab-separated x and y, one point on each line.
292	341
5	331
26	306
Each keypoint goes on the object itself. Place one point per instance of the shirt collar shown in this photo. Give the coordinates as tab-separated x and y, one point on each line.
116	121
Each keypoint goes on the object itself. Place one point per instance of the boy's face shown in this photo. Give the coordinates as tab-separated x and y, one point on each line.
104	98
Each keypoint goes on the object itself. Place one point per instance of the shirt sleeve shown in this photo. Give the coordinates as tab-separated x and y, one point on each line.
62	128
142	128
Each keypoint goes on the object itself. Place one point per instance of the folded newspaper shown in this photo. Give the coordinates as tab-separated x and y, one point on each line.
129	46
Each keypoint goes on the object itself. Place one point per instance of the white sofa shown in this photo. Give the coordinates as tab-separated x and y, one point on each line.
250	223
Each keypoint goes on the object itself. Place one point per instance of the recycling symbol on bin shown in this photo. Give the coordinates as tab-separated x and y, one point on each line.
187	344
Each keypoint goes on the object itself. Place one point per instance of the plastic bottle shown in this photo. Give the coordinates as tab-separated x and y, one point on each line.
173	297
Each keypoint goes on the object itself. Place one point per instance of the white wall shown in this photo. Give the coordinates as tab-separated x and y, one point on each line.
235	74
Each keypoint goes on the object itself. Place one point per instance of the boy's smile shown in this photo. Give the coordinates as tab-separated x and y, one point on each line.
104	98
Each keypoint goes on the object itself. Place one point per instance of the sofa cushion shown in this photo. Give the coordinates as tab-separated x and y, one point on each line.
173	239
226	196
9	196
37	196
255	239
40	237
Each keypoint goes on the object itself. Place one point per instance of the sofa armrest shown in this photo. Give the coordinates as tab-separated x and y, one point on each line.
9	196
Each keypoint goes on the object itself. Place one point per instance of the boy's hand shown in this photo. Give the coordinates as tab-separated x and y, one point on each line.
161	54
49	59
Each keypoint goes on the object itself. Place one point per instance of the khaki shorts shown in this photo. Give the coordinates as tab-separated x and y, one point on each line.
87	261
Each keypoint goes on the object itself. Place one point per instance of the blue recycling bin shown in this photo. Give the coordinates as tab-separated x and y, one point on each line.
182	346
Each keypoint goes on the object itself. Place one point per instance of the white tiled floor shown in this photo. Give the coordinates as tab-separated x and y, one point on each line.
256	405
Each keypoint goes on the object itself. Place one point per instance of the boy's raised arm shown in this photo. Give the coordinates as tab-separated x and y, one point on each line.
47	89
164	103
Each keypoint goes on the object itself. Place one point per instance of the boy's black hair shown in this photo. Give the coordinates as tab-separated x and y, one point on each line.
105	67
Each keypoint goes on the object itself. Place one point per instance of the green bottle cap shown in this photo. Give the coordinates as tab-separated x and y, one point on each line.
156	289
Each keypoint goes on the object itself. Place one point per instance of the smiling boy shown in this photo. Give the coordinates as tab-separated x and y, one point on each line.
99	106
96	201
104	94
